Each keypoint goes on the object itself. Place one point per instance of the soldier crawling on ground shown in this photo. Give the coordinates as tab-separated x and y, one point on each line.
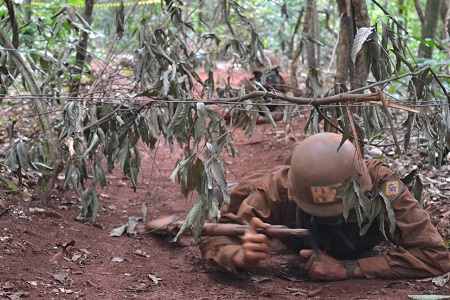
302	194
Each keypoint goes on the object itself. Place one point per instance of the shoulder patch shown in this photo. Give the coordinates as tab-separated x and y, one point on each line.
392	188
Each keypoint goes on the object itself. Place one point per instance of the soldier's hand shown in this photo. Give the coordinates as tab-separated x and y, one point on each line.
326	268
255	246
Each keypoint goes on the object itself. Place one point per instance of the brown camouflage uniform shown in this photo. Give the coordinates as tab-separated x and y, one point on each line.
417	247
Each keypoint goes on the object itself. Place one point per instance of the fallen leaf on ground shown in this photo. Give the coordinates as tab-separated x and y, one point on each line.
117	259
141	253
60	277
440	281
33	283
154	278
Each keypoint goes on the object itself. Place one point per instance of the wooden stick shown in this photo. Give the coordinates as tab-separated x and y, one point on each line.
171	225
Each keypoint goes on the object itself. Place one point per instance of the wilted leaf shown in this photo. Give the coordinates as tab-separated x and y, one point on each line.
391	214
120	20
360	38
181	165
135	165
69	170
22	154
267	114
212	36
10	130
98	173
346	192
92	145
119	231
200	126
179	119
219	173
11	157
94	205
89	202
131	228
154	278
144	210
61	277
117	259
159	52
441	281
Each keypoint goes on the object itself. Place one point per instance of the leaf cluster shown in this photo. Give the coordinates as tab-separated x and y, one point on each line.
367	210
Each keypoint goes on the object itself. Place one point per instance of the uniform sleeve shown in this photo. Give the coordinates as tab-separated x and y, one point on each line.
419	250
262	195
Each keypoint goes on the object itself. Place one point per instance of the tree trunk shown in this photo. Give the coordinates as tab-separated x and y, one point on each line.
419	10
296	49
13	21
27	10
311	11
362	19
345	68
313	86
81	49
429	26
444	10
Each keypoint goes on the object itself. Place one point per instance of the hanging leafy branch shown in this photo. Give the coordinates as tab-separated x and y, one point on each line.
161	95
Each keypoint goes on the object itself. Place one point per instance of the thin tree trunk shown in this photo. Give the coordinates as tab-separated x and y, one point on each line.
444	11
310	46
400	5
419	10
27	10
13	21
429	26
313	86
82	48
297	47
362	19
344	68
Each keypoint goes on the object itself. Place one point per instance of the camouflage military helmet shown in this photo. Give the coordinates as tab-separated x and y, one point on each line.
269	61
318	168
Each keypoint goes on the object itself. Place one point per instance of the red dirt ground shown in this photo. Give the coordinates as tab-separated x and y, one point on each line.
102	267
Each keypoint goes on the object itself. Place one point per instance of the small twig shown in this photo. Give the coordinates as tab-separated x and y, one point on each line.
105	118
328	120
255	142
32	245
389	15
440	84
391	123
382	82
356	139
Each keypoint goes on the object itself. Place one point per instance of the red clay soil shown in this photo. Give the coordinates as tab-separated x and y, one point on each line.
34	264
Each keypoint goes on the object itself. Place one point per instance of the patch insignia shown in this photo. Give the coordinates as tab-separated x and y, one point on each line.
392	188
